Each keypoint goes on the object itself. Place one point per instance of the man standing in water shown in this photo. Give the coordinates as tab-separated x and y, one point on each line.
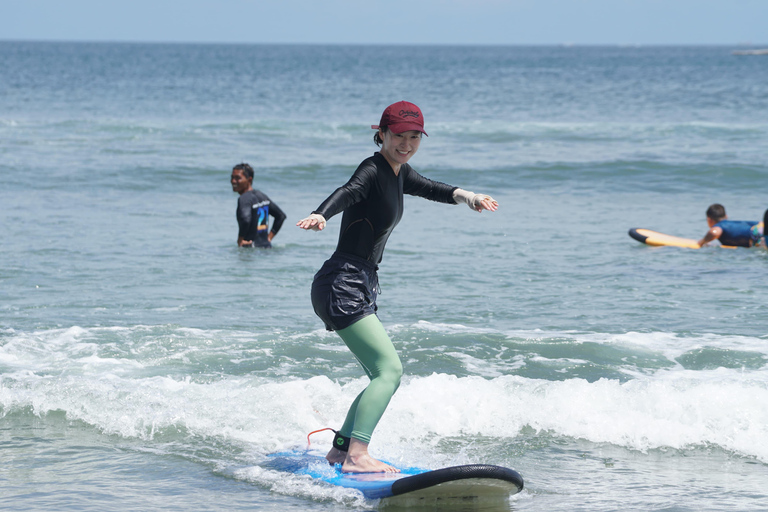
253	210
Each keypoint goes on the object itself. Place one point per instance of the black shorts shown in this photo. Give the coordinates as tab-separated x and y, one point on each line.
344	290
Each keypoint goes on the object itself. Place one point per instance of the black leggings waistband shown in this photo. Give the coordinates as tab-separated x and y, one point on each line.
343	256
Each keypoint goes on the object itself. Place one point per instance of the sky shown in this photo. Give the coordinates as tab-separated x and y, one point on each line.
441	22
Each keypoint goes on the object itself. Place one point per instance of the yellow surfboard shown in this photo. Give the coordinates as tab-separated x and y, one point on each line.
655	238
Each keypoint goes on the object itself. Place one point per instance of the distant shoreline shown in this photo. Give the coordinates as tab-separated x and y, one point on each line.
762	51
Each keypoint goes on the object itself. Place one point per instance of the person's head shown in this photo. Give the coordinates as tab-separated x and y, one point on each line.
716	213
399	117
242	178
399	132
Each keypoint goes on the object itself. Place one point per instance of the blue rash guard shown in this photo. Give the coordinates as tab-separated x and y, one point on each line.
253	211
737	232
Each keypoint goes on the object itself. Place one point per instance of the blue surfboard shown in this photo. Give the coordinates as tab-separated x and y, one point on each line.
463	483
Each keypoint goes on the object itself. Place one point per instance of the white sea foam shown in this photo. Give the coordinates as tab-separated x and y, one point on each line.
720	408
671	407
300	485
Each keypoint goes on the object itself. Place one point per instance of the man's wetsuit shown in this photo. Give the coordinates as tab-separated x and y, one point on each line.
344	290
253	210
737	233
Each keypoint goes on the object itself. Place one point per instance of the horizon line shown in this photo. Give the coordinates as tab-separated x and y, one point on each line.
566	44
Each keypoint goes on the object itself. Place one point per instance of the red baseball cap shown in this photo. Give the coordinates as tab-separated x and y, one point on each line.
401	117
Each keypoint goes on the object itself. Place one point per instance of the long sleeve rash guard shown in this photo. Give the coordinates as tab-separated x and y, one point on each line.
372	202
253	211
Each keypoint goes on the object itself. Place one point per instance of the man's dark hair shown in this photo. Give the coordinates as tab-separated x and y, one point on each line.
247	169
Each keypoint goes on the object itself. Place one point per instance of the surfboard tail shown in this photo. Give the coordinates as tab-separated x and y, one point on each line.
452	474
637	236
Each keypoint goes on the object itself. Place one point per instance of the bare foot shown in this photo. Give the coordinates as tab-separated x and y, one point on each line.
366	464
336	456
359	461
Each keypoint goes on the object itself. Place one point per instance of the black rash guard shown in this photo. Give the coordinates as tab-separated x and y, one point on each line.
372	202
253	209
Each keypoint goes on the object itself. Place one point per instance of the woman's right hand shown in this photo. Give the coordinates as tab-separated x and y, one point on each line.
315	222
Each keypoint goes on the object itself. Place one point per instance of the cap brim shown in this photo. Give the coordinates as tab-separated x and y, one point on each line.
406	127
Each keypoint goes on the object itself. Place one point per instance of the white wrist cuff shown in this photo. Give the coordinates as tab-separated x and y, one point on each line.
464	196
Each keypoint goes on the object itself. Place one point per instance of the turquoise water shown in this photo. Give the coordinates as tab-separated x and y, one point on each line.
147	363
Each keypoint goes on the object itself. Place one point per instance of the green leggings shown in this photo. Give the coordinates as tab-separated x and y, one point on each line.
370	344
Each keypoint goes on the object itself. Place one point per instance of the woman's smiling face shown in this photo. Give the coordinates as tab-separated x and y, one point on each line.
398	148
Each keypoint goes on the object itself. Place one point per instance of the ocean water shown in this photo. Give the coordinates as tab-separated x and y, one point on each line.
147	363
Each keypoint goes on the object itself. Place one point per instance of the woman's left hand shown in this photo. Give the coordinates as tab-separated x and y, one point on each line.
315	222
484	202
477	202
